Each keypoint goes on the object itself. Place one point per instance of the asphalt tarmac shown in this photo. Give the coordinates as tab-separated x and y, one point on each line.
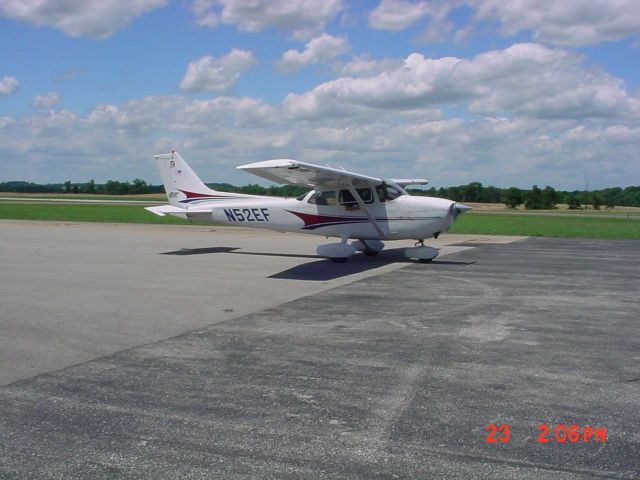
393	371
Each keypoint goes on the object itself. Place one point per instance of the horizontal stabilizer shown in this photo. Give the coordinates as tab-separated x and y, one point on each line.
163	210
403	182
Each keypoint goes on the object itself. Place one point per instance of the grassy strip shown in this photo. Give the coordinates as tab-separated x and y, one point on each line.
547	226
83	213
485	223
632	212
161	197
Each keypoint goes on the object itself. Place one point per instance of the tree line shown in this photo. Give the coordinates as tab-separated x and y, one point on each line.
538	198
534	198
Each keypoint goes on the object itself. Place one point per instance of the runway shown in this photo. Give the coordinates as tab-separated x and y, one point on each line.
178	352
76	291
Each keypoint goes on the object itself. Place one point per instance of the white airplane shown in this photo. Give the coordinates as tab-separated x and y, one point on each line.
342	204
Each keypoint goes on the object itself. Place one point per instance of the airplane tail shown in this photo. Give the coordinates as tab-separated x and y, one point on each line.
184	188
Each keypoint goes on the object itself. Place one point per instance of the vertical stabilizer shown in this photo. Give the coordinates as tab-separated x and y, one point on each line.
180	182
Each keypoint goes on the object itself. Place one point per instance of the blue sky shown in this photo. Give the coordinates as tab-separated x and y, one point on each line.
505	93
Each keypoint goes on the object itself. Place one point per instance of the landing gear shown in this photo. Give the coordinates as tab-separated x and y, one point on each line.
338	252
421	252
369	247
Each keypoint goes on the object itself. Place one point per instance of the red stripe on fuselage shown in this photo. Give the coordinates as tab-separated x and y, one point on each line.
314	221
203	195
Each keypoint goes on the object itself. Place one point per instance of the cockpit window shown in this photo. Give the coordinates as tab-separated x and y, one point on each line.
323	198
302	197
388	192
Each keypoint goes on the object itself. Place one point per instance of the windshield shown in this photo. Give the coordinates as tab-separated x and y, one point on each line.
388	192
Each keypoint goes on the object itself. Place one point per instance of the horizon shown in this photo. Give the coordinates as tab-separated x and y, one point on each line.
265	184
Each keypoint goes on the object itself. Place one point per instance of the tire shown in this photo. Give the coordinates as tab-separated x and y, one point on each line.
340	259
425	260
370	253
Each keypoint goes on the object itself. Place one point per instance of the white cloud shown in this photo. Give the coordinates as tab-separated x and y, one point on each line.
8	85
397	14
524	79
438	28
96	19
571	23
217	74
321	49
46	101
400	14
302	18
204	11
217	134
362	65
523	115
568	23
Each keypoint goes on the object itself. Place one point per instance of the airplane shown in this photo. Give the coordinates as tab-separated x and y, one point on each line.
341	204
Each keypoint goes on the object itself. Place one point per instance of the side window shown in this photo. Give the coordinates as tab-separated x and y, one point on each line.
323	198
382	197
346	198
365	194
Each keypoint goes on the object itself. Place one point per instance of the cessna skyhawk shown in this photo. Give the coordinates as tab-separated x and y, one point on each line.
342	204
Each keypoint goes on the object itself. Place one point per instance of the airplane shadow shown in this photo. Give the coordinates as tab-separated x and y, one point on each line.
208	250
201	251
322	269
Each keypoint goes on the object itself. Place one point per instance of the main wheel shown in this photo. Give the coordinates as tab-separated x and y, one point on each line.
425	260
370	253
340	259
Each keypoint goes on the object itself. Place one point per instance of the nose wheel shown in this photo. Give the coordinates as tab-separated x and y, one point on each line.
421	252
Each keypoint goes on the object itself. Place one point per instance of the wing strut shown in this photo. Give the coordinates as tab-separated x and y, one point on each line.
364	207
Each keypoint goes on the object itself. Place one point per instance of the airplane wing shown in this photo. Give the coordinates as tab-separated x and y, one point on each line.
307	174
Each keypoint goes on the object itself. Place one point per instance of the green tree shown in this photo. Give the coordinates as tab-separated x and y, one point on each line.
596	201
139	186
533	200
253	189
512	197
68	188
90	186
550	198
573	202
471	192
608	201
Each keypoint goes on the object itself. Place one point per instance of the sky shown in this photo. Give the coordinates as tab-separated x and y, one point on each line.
510	93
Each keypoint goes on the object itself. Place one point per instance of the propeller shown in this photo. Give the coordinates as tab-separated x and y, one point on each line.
457	208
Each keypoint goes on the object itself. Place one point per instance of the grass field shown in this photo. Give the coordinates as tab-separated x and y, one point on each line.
152	197
548	226
477	223
83	213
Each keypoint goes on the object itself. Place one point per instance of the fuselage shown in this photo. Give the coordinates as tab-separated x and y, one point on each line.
330	213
